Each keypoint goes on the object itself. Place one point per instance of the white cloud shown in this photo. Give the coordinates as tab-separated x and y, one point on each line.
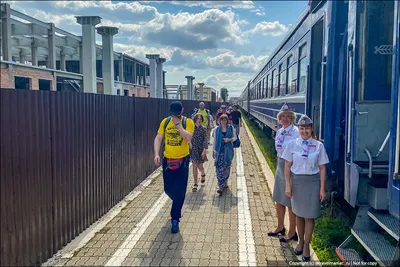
125	27
133	11
225	62
58	20
217	4
234	82
133	7
266	28
194	31
140	52
230	62
175	69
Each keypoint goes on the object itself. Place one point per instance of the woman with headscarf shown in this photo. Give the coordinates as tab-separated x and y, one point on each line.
223	153
286	117
305	174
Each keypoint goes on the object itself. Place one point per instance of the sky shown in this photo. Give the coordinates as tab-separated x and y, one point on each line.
220	43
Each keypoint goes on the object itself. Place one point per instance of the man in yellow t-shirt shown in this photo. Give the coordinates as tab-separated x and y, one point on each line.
177	132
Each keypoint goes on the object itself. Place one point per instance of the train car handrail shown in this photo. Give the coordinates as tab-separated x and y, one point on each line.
371	158
350	115
383	145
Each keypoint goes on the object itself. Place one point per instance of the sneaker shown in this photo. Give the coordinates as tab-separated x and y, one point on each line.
174	226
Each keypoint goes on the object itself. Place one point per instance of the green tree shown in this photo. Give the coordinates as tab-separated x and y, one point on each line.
224	94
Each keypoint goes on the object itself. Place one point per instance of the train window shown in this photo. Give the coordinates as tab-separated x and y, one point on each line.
263	88
272	83
280	74
292	82
303	61
303	74
276	83
290	60
282	83
303	50
291	76
289	79
375	64
269	86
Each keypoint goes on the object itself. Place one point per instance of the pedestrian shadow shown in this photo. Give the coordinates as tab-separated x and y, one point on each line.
166	246
226	201
194	200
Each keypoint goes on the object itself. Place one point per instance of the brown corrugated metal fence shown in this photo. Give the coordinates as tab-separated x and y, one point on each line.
66	159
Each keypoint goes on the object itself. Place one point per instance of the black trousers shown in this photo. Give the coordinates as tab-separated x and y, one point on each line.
175	185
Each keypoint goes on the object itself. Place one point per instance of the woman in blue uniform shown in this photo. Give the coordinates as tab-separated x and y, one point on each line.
305	174
286	117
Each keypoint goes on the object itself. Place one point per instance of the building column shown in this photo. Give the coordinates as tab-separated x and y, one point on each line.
88	53
190	91
6	43
201	94
160	78
22	57
62	60
153	73
107	34
51	38
34	53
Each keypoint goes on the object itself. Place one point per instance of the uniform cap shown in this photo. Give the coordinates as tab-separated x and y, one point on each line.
286	107
304	121
223	106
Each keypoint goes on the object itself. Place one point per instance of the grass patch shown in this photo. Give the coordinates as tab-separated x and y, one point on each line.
329	232
266	143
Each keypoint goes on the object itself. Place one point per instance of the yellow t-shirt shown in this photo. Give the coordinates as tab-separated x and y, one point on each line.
205	116
175	146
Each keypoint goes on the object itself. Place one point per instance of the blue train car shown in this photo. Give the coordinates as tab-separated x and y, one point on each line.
371	113
284	77
347	81
394	169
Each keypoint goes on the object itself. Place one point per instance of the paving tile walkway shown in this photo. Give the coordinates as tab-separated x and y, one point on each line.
215	231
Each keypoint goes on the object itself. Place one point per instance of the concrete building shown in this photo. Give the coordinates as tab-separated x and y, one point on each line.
36	55
181	92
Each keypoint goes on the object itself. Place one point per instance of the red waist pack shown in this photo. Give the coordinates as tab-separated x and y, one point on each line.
174	164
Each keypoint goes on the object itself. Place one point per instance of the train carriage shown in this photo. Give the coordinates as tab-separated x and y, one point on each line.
339	65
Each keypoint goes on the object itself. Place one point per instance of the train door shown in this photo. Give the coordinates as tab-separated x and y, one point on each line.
395	138
316	58
368	106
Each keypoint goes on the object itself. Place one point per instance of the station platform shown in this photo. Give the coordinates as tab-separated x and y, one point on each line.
227	230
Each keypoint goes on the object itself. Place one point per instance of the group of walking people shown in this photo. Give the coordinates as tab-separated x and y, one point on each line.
299	180
187	139
300	176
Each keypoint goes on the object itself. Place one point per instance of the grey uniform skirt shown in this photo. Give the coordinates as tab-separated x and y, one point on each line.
280	185
305	195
